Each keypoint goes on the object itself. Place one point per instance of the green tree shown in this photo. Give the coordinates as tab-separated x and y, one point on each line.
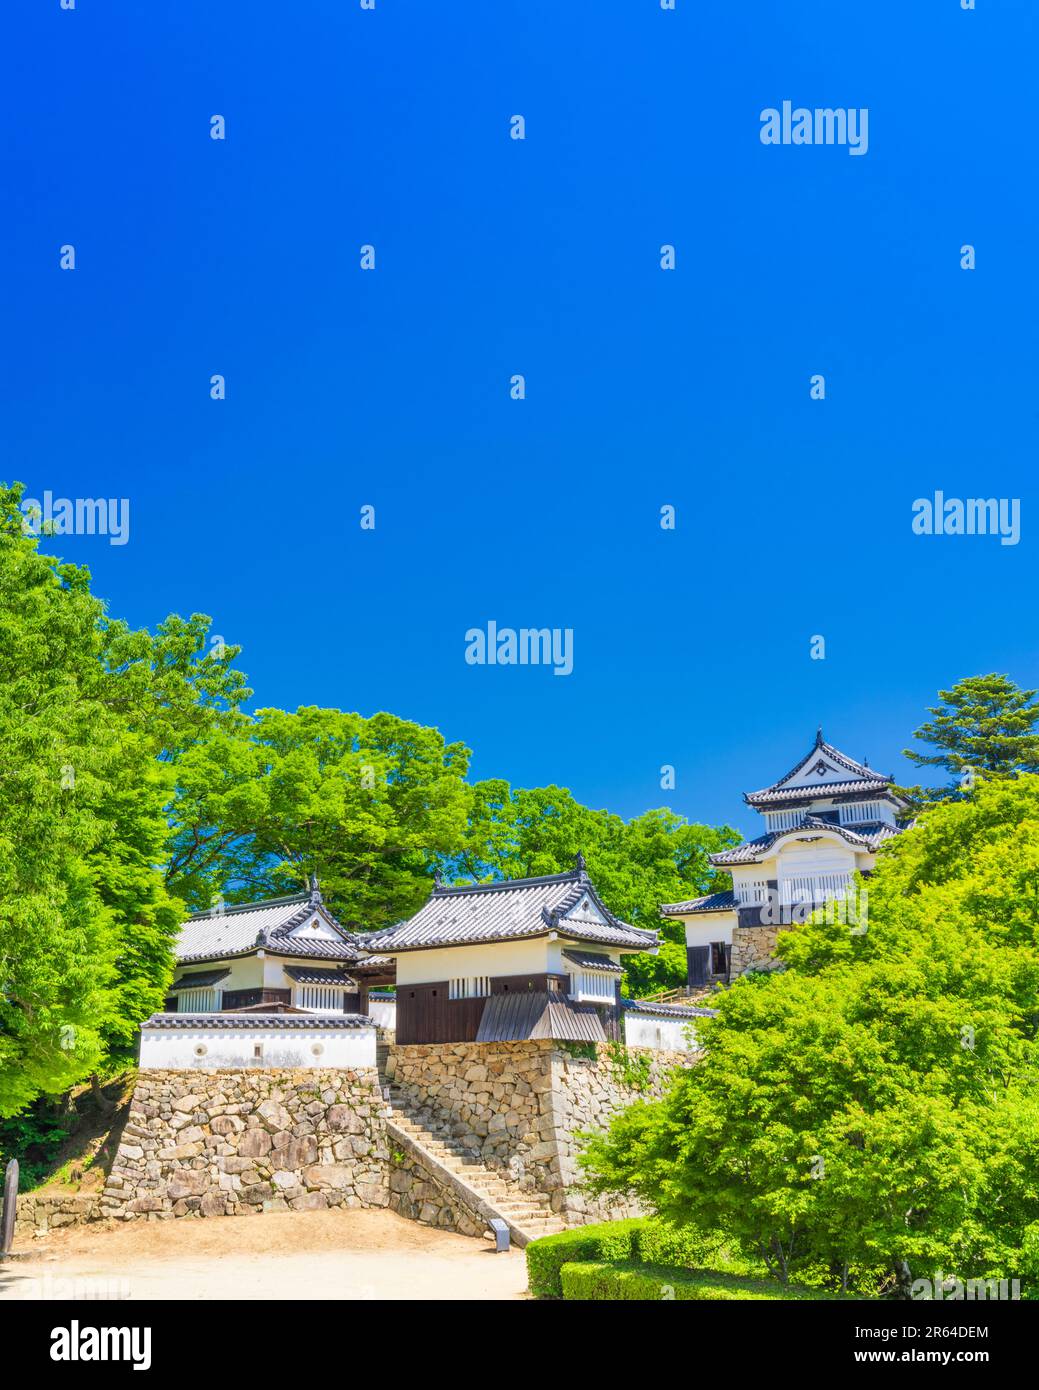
93	719
868	1115
364	803
984	726
636	865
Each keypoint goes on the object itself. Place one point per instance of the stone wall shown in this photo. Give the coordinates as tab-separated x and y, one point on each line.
36	1215
220	1143
519	1105
754	948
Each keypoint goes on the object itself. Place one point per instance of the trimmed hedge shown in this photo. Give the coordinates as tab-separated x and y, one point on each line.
610	1240
645	1240
631	1282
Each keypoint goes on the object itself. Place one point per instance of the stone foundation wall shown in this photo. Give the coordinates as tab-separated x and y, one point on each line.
416	1192
753	948
226	1143
38	1215
519	1105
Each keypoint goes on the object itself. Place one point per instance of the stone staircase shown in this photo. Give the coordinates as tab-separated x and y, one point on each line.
486	1191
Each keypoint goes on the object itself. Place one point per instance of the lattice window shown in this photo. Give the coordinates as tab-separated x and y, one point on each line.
323	999
469	987
196	1001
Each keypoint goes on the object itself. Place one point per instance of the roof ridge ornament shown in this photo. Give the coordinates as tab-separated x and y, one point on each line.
315	891
819	737
579	864
438	879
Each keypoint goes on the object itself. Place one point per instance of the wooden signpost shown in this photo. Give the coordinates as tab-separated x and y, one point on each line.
7	1211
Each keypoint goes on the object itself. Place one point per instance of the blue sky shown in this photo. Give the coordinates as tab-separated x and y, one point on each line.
540	257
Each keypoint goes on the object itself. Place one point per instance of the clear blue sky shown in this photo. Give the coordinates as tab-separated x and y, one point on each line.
540	257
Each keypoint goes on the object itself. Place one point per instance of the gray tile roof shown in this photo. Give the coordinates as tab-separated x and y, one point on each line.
864	780
752	851
646	1006
239	1021
591	960
778	796
200	980
239	931
710	902
513	908
310	975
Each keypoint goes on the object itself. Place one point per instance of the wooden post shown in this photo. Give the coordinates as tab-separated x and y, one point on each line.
8	1209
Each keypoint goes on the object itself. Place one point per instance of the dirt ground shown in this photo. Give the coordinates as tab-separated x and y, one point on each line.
368	1255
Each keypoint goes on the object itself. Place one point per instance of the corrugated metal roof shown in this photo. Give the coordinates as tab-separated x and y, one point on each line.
517	1016
565	903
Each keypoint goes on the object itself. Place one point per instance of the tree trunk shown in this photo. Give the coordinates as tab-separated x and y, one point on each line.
100	1099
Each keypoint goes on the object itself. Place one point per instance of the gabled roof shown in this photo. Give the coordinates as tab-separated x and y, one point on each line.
830	763
269	926
753	851
564	903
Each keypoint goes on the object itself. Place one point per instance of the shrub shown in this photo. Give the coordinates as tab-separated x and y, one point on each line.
642	1239
611	1240
630	1282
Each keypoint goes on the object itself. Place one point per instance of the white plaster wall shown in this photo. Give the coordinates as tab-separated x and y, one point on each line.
707	927
246	973
383	1012
173	1049
530	957
663	1034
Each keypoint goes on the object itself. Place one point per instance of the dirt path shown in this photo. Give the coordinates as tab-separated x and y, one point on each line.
367	1255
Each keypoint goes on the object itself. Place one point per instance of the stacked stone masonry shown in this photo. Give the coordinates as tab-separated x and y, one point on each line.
519	1106
230	1143
754	948
220	1143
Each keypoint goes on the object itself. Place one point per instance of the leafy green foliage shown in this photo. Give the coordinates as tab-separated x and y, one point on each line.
636	865
638	1238
364	803
33	1137
640	1283
609	1240
871	1112
630	1069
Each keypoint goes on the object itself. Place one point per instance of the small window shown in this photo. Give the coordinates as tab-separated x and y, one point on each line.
258	1051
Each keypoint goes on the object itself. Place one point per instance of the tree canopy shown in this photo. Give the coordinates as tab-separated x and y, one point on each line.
869	1114
985	726
138	787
